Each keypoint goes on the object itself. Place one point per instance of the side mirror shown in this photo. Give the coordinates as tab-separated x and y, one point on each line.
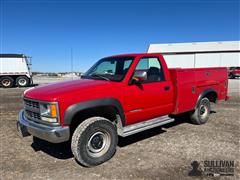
139	76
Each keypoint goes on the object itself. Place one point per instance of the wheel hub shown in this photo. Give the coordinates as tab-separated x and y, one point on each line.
97	141
22	82
203	111
98	144
6	82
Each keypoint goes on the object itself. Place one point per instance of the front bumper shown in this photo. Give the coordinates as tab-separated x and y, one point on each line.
52	134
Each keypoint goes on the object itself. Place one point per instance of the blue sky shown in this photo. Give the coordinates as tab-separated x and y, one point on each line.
48	29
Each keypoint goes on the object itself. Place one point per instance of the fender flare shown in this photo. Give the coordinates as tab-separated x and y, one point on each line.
71	111
204	94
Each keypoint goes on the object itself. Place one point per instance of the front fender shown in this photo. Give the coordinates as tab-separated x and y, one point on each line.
71	111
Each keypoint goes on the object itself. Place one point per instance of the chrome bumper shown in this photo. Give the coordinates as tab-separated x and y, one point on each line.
52	134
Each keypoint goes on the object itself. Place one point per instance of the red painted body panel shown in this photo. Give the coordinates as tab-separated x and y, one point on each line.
139	103
190	83
71	92
149	100
236	72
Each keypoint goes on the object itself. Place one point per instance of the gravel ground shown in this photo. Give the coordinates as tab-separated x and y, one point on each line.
159	153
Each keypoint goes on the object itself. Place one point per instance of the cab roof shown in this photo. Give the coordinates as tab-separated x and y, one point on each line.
135	55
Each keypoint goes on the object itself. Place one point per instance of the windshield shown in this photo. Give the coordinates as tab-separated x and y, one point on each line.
111	69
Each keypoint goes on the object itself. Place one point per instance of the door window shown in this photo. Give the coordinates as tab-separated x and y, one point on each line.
153	68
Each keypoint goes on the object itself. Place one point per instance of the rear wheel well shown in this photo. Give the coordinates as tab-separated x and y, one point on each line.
212	96
108	112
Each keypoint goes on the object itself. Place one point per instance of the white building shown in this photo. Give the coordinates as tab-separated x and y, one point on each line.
200	54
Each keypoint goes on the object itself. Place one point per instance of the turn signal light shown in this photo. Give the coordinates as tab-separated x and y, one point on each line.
53	110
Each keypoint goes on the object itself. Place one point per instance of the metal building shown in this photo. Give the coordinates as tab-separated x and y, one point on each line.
200	54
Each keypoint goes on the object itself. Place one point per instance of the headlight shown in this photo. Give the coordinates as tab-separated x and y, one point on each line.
49	112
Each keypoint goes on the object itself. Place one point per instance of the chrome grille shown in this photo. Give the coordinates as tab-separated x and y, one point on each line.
32	115
32	110
31	104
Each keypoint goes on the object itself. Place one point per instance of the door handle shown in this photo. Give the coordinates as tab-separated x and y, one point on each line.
167	88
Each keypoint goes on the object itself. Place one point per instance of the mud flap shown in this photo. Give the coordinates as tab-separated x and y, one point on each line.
22	130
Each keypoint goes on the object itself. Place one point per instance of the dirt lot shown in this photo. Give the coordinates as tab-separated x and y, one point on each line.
160	153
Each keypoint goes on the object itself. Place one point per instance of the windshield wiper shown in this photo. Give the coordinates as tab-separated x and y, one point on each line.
99	76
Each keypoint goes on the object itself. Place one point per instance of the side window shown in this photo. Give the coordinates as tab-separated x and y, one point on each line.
143	64
153	68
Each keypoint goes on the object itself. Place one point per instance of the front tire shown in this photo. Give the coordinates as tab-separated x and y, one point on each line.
94	141
201	113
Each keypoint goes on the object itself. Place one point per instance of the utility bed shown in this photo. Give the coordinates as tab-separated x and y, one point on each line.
190	82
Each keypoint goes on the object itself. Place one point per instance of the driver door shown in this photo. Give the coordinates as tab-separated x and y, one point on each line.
150	98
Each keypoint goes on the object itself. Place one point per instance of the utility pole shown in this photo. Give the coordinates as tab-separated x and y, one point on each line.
72	62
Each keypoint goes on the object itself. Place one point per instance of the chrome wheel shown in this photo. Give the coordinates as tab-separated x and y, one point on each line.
22	82
6	82
98	144
203	111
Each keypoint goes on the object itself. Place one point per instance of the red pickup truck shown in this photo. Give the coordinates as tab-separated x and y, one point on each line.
119	96
234	72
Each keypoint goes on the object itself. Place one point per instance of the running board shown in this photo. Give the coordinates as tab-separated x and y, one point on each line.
142	126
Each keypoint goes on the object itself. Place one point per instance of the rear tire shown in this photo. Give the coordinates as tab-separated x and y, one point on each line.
94	141
6	82
201	113
22	81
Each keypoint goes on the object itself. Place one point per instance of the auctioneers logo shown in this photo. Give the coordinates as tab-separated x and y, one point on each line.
212	168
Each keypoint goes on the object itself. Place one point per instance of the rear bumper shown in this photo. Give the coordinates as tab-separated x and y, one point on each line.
52	134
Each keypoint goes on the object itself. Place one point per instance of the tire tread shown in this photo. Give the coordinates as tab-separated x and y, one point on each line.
195	115
78	133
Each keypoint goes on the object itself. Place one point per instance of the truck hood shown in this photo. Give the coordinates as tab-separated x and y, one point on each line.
58	91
